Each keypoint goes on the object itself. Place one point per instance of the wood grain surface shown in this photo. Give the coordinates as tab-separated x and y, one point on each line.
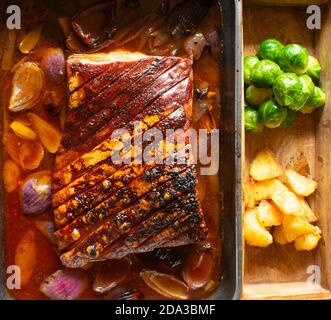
281	271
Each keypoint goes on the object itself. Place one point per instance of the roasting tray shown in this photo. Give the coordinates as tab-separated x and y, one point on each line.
230	162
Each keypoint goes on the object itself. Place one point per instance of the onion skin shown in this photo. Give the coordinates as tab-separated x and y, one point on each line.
64	284
35	193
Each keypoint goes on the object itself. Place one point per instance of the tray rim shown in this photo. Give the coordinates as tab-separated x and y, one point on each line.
231	280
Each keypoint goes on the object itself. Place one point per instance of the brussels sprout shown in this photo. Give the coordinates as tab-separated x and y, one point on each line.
264	74
255	96
253	121
293	58
287	89
269	49
314	69
290	118
316	100
307	90
272	114
249	63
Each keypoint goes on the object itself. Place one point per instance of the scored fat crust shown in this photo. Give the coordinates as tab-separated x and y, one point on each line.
104	210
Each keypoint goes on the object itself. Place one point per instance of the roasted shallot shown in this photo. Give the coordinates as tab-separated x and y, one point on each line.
27	87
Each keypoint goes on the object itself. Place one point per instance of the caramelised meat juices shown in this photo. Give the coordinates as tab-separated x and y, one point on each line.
103	208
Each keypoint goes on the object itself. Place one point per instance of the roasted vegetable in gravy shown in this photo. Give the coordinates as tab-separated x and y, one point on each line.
75	72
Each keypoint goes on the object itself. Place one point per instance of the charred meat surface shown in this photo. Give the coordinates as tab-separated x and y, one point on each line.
105	208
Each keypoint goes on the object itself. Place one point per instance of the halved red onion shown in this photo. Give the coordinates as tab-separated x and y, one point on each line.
53	65
64	284
35	192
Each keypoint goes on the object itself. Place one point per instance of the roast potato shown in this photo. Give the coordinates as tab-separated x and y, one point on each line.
255	234
268	215
287	202
279	235
264	166
249	200
307	241
310	215
295	227
301	185
263	190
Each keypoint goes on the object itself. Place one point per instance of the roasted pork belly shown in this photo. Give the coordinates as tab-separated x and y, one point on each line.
104	209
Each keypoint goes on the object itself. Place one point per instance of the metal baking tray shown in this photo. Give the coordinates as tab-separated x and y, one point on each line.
230	161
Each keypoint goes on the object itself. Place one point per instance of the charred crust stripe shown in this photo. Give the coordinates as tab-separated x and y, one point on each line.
136	103
98	186
95	88
153	200
59	176
156	224
106	168
99	108
129	193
